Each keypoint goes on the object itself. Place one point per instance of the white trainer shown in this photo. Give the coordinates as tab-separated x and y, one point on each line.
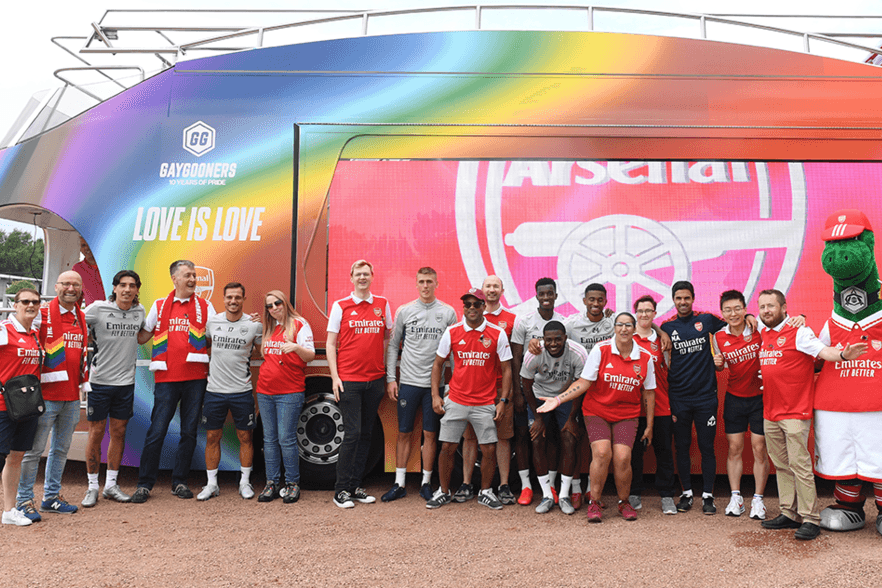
757	509
209	491
16	517
246	491
736	506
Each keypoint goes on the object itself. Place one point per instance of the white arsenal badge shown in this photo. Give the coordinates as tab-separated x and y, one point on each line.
877	344
653	346
854	299
486	341
781	341
378	312
698	327
637	368
747	338
503	325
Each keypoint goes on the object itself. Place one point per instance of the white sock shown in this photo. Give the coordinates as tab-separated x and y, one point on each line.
687	492
565	483
212	477
525	479
246	476
736	492
577	485
111	478
93	481
545	484
427	477
552	476
399	476
760	496
707	495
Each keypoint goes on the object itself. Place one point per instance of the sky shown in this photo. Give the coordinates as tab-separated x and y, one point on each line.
30	57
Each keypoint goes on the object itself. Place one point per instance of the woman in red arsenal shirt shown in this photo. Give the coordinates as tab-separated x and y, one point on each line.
616	372
287	348
19	355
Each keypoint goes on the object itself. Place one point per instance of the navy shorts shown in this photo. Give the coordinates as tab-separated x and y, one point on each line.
216	406
118	402
739	413
410	399
16	436
560	414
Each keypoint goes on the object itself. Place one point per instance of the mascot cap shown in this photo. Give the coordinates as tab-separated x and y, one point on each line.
845	224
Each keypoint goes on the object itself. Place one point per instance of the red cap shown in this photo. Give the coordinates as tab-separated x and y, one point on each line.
474	293
845	224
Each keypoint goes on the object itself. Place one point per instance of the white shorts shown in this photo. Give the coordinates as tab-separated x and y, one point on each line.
848	445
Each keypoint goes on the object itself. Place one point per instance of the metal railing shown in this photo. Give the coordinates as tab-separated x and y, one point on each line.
207	37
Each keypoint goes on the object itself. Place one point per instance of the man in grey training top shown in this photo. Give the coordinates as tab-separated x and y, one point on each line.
233	337
417	331
114	325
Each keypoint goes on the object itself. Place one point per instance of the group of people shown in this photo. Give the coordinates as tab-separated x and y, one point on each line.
52	341
535	381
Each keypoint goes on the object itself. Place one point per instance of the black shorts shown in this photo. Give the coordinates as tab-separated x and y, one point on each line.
118	402
216	406
739	413
16	436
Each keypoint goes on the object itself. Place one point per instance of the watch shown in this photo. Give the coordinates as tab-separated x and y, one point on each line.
503	400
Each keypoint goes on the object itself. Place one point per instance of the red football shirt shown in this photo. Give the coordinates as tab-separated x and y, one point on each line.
651	344
477	355
361	327
74	337
615	394
505	320
283	373
19	353
741	354
787	362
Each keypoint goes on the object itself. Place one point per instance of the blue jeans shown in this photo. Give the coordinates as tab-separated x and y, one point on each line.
166	396
358	405
60	418
280	413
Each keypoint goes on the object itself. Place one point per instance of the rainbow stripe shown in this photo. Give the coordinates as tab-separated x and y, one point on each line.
54	354
197	338
160	344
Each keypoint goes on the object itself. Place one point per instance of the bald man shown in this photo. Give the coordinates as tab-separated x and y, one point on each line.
64	380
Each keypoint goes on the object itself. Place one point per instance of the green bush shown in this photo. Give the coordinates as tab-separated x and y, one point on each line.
14	287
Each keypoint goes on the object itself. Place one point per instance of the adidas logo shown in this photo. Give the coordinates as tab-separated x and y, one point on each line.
462	342
727	344
353	313
674	333
609	365
111	315
712	422
20	340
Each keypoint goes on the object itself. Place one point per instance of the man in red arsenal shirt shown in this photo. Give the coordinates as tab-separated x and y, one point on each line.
480	352
93	287
497	315
358	330
736	348
63	330
787	360
179	363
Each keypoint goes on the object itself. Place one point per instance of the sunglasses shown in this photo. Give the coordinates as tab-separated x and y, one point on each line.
29	302
476	304
275	304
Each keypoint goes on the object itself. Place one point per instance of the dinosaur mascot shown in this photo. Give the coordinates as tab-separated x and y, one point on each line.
848	394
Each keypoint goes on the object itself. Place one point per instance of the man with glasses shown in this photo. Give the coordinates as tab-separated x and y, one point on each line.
480	351
63	336
736	348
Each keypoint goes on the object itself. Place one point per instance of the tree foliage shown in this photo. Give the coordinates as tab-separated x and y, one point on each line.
20	255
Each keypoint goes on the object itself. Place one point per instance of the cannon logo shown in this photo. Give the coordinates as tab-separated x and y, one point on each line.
204	282
635	226
199	138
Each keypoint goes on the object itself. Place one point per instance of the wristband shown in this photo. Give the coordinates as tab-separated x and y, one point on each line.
558	401
842	355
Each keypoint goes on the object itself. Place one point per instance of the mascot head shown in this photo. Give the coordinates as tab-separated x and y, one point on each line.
850	260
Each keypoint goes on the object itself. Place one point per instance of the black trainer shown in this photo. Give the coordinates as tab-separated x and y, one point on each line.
181	491
807	531
685	504
708	506
269	493
780	522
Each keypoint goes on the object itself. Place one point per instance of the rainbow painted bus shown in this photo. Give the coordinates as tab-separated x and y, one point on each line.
632	160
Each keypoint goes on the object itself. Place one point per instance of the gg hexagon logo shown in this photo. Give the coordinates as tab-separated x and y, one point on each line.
199	138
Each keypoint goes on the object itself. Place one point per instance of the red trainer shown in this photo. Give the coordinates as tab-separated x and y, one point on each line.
627	511
526	497
554	494
594	513
576	499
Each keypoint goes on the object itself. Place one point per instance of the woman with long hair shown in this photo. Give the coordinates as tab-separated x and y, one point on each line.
287	348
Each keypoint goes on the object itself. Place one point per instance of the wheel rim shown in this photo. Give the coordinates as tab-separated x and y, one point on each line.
320	430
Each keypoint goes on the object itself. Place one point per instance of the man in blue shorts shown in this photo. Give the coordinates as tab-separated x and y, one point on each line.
418	328
233	337
114	325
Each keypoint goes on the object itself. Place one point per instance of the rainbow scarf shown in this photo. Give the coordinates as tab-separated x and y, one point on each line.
52	338
198	350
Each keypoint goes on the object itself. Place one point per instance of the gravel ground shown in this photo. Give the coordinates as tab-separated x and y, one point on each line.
229	542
